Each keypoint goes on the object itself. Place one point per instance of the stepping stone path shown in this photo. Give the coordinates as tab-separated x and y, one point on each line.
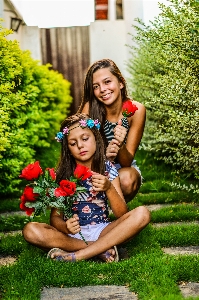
188	289
8	260
181	250
110	292
153	207
175	223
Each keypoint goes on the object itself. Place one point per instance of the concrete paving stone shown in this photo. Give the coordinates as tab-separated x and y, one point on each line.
153	207
14	232
189	289
99	292
157	225
13	213
181	250
7	260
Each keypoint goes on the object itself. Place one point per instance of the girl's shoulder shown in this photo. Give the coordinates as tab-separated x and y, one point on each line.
140	113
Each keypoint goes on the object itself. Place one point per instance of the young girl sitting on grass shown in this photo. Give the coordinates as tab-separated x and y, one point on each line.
82	144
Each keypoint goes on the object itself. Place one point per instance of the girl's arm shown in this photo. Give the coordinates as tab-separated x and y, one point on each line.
127	152
116	199
113	192
70	226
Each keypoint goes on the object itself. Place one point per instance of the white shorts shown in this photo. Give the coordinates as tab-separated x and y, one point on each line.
91	233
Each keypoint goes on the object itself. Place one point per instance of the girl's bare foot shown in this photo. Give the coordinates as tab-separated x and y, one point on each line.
110	255
58	254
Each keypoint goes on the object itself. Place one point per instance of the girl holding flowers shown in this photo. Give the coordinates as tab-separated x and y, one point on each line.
82	146
123	120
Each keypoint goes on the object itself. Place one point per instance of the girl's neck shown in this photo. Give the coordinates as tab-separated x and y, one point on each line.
114	113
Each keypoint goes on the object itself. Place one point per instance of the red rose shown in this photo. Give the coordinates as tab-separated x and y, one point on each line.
67	188
52	173
28	210
28	194
128	108
32	171
59	192
82	172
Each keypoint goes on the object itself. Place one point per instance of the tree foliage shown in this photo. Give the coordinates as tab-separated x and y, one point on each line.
33	102
164	69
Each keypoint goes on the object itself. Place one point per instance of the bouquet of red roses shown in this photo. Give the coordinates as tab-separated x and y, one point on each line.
44	192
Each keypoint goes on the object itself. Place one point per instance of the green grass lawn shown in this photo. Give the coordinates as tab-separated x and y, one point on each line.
149	272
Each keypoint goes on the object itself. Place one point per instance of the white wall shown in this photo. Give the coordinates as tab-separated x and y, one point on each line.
1	9
31	41
27	36
132	9
108	38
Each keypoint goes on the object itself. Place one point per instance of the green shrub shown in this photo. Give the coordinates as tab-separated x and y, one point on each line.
164	69
33	102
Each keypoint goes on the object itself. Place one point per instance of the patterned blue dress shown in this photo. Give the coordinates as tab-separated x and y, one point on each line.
91	206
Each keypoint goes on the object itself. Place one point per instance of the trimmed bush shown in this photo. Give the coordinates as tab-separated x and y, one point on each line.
33	102
164	69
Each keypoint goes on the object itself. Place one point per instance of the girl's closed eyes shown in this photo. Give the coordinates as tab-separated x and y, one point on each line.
84	139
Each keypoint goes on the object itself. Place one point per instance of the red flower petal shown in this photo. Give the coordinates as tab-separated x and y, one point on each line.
32	171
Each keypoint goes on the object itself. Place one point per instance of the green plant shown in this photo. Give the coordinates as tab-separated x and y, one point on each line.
148	271
33	101
164	69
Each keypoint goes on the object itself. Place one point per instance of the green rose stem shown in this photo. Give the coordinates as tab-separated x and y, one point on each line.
83	238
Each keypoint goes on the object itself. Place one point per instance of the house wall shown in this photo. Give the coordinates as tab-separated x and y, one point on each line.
1	9
27	36
108	38
31	41
8	12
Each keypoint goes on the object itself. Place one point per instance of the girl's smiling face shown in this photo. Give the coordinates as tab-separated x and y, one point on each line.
82	144
106	87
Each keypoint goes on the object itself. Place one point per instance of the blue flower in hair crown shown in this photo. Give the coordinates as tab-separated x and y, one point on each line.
82	123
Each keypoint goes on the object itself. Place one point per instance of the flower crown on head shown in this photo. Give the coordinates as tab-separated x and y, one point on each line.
82	123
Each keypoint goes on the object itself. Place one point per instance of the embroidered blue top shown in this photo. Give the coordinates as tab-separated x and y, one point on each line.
91	206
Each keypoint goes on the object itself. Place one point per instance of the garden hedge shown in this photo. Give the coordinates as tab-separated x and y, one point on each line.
33	101
164	76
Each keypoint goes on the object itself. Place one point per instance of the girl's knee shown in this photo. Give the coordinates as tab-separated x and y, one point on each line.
145	214
142	214
130	181
29	231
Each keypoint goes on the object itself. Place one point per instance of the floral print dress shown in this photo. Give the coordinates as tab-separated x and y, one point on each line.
91	206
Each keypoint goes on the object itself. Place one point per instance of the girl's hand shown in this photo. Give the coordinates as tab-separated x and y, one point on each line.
100	182
112	150
120	133
72	224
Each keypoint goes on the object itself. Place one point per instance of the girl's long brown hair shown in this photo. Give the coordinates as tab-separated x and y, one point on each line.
67	164
96	108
